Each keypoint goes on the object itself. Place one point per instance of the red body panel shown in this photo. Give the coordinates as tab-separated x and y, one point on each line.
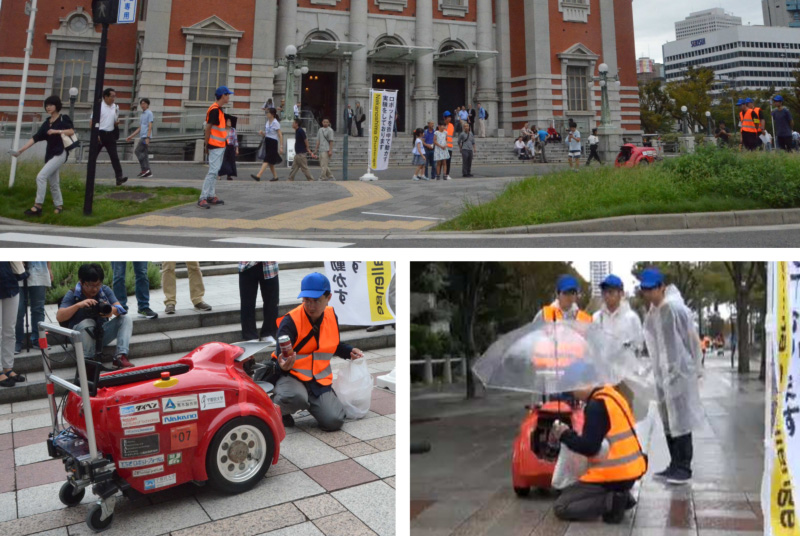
637	155
133	406
527	469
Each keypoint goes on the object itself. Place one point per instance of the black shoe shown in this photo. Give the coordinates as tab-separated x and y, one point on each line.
121	181
255	178
288	420
679	476
662	475
616	513
148	313
147	173
19	378
631	502
8	382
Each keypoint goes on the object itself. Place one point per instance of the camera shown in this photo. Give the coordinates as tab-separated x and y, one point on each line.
99	309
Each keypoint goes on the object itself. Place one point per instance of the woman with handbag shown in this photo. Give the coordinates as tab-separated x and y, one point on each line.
10	275
58	132
273	145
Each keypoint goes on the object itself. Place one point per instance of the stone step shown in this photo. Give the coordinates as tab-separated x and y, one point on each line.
214	268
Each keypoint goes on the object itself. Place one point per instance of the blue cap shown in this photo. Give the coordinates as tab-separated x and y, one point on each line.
740	102
566	283
651	278
314	285
222	90
446	114
579	374
611	281
748	100
777	98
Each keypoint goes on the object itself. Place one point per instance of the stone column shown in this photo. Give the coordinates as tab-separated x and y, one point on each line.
358	89
425	98
286	32
153	76
610	136
487	89
264	27
503	65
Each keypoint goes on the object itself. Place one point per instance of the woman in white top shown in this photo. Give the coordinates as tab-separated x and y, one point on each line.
419	156
273	145
440	154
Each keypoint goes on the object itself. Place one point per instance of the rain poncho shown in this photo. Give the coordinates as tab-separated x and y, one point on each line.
572	314
623	323
674	349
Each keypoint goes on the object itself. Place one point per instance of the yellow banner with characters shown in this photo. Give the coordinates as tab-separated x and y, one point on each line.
363	292
379	275
375	131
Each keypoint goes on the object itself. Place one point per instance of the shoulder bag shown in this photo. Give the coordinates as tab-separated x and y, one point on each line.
70	142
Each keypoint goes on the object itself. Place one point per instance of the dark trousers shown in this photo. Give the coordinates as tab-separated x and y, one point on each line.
35	298
583	501
593	154
785	143
429	163
359	128
249	282
681	451
107	140
449	158
466	162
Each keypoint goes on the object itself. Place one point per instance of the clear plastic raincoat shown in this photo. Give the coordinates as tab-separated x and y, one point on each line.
674	349
623	323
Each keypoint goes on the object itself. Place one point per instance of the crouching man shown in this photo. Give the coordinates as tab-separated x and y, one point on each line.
306	377
81	309
604	490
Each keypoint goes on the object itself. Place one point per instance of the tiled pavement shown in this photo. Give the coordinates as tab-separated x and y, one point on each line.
472	440
339	483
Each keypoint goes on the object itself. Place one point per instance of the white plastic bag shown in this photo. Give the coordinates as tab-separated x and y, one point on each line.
571	465
353	387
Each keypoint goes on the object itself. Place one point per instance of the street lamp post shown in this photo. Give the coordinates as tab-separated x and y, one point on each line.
687	140
73	96
293	67
684	111
610	134
710	140
708	122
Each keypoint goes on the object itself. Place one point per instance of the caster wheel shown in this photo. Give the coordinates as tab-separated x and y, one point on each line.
239	455
93	519
69	495
522	492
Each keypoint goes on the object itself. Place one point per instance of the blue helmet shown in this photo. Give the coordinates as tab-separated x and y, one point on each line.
740	102
651	278
566	283
748	100
777	98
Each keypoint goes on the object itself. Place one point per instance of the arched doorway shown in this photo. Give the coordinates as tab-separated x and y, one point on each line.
451	81
320	84
390	76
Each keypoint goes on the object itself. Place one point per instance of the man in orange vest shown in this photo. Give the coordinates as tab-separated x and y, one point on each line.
747	123
565	306
306	377
604	490
448	121
216	136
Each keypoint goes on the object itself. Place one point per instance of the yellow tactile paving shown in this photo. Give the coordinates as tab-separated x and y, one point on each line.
362	194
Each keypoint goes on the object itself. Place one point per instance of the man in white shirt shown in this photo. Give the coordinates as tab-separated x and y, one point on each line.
574	142
594	144
297	109
616	315
519	146
108	135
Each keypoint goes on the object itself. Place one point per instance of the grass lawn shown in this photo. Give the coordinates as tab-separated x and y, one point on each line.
14	201
710	180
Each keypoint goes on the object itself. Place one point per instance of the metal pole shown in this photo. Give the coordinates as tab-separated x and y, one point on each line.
345	143
95	131
26	64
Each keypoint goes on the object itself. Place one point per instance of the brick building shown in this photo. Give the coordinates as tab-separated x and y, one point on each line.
525	60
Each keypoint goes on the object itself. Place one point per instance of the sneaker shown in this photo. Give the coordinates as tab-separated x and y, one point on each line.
215	201
147	173
17	350
616	512
448	178
679	477
202	306
415	178
121	181
121	361
661	475
425	178
141	174
269	339
169	309
148	313
288	421
203	204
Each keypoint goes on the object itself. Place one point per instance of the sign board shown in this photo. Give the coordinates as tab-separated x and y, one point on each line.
127	12
699	42
383	108
289	150
363	293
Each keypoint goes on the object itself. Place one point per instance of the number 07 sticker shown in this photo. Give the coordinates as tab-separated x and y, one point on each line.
184	437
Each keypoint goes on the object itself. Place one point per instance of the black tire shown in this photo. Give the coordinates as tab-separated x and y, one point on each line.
215	476
69	496
644	162
93	519
522	492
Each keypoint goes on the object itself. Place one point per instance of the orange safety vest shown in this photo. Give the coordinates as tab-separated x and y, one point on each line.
756	120
219	135
549	354
551	314
450	129
313	361
748	124
625	461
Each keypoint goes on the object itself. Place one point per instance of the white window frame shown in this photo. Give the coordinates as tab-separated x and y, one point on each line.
211	31
575	10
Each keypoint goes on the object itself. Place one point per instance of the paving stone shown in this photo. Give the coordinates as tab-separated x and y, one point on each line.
390	416
7	475
382	463
6	441
5	409
303	529
383	443
370	428
5	427
268	492
8	506
382	406
62	531
319	506
304	450
372	503
357	449
29	405
340	475
29	437
44	498
42	522
344	524
390	481
276	517
36	474
282	467
148	520
31	454
30	422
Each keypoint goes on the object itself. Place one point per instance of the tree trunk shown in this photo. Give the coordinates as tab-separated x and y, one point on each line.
474	284
743	331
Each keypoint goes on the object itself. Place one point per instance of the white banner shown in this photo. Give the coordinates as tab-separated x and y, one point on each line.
363	293
383	106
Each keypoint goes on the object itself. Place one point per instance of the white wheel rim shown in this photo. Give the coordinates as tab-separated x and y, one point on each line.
241	453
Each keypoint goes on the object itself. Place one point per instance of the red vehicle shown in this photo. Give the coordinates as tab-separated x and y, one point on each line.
200	418
534	457
631	156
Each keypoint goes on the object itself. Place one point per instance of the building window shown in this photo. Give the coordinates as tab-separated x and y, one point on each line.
577	89
209	71
574	10
72	69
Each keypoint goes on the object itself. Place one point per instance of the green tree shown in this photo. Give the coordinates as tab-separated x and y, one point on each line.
694	93
655	107
743	276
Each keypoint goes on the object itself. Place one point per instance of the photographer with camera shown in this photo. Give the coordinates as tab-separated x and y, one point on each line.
92	308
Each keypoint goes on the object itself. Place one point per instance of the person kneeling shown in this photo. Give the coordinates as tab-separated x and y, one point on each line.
91	304
604	490
306	376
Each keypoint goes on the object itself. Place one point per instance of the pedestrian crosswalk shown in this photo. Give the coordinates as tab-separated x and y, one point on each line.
15	239
32	239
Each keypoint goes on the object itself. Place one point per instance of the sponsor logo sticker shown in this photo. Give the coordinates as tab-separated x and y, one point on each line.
179	417
179	403
213	400
142	430
141	462
138	408
174	458
160	482
183	437
129	421
149	471
133	447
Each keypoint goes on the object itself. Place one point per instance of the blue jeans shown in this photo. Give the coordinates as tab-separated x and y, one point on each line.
215	157
142	284
429	163
119	327
36	295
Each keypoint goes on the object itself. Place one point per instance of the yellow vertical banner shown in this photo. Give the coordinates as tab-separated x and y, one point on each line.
375	131
379	275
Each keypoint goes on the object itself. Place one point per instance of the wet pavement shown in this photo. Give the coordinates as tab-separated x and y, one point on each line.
472	439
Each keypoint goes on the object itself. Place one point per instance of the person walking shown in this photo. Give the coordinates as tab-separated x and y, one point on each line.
427	142
301	152
33	292
255	276
145	132
196	288
594	145
440	153
348	117
418	159
216	136
273	145
109	132
471	114
482	117
228	167
782	119
142	287
450	130
11	273
324	149
360	117
52	131
466	142
574	142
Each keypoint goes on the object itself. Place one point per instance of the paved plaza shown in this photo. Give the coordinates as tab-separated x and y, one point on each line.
463	485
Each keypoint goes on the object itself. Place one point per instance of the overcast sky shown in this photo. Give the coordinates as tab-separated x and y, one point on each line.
654	25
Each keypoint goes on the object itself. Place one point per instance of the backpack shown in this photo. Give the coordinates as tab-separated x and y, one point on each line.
485	114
